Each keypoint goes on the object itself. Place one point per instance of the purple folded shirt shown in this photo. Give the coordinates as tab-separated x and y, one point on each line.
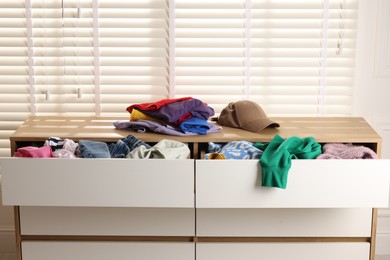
185	109
142	126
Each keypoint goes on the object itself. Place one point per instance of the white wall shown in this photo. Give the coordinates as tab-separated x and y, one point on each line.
372	87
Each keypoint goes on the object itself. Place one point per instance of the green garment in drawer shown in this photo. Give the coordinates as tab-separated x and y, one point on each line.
311	184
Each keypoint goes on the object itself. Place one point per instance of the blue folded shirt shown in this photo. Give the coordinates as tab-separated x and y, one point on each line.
195	125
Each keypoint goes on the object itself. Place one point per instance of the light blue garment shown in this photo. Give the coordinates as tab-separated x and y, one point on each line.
235	150
93	149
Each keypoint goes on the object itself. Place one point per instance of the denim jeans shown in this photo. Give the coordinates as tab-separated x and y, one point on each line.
124	146
93	149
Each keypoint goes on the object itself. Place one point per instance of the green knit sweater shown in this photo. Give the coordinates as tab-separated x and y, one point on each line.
276	158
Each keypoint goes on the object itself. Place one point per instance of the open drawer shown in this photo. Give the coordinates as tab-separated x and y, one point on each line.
311	184
98	182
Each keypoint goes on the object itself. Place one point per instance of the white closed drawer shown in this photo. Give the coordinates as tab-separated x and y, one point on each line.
98	182
305	222
35	250
109	221
311	184
282	251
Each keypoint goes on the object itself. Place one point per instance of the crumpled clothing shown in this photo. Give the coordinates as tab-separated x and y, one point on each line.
34	152
54	142
70	145
93	149
216	156
242	150
276	159
57	143
124	146
165	149
64	154
346	151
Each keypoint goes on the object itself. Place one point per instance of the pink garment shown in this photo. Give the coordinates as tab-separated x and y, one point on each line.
346	151
34	152
63	153
70	145
155	105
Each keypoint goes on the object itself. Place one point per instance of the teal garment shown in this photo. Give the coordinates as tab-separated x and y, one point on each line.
277	155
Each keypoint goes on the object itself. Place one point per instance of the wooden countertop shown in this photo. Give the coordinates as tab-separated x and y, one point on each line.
323	129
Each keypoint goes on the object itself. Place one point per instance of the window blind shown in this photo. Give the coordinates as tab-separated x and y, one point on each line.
87	57
134	61
301	54
210	50
63	60
14	85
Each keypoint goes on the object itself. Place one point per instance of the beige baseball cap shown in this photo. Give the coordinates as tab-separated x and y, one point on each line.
247	115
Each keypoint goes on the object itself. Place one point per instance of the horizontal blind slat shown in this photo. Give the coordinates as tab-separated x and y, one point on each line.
285	53
133	46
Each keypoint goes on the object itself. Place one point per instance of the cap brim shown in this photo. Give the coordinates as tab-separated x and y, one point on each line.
259	125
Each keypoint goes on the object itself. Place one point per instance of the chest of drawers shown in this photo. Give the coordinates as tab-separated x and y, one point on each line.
193	209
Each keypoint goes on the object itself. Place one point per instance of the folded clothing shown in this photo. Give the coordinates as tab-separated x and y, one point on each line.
138	115
171	111
233	150
346	151
155	105
195	125
142	126
177	112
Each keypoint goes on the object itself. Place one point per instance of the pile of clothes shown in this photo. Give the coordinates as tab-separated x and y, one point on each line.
275	157
180	116
129	147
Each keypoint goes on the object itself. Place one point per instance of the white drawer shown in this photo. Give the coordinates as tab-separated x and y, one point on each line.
311	184
107	250
282	251
325	222
91	221
98	182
